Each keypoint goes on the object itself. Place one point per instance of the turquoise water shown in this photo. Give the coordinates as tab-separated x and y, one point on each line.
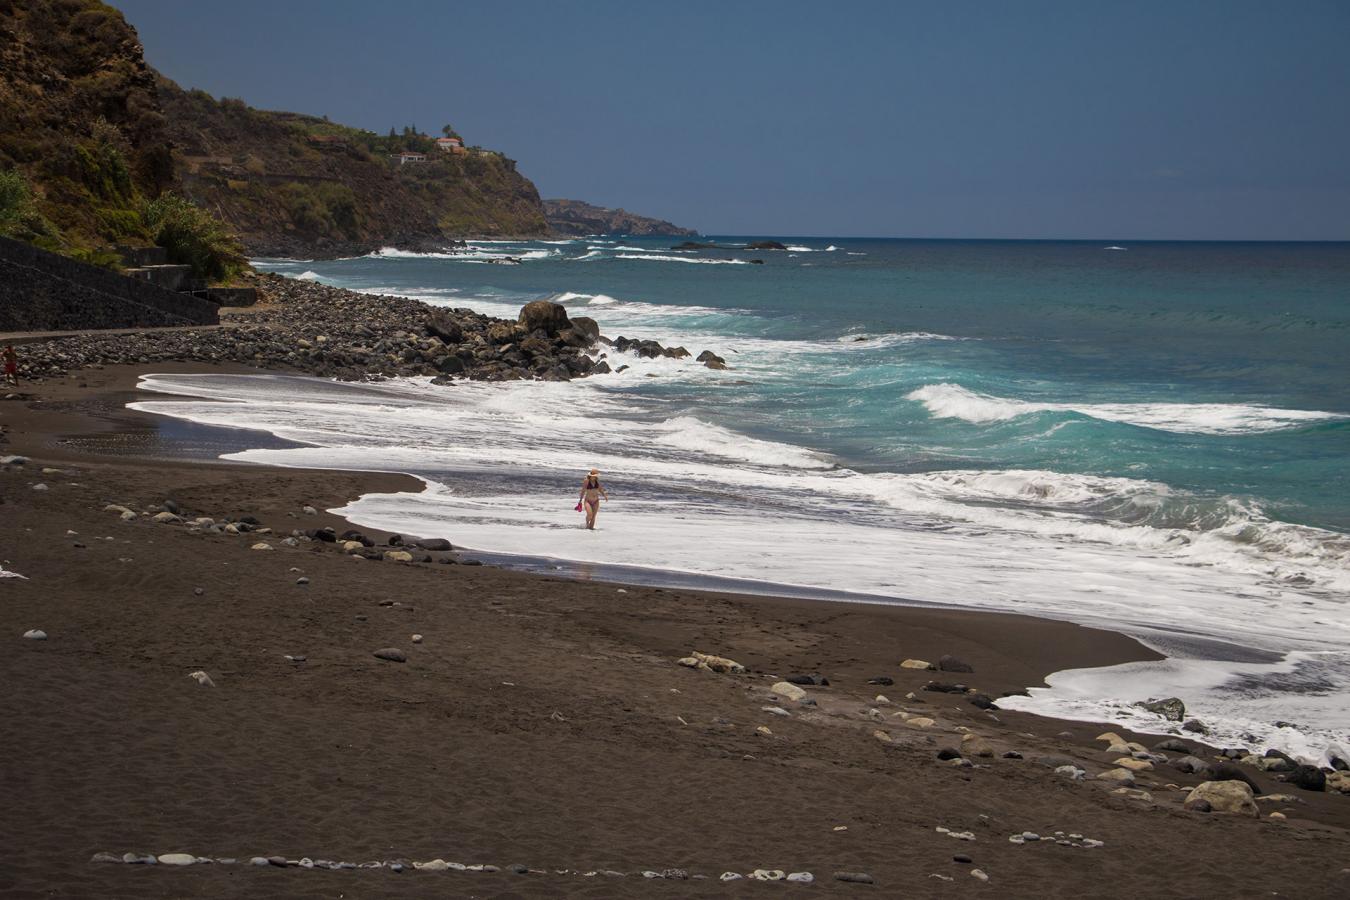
1150	437
1064	323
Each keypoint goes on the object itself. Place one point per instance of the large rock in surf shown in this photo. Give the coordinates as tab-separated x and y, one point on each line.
544	315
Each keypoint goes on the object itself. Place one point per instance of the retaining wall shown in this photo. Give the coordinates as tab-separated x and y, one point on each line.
41	291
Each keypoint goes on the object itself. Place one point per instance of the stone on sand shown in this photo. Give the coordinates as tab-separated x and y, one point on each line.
35	634
177	859
1120	776
788	691
166	518
1134	765
1232	797
919	722
202	679
391	654
711	662
947	663
854	877
398	556
261	545
916	664
974	745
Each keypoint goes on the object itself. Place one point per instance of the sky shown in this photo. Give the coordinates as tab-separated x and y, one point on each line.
1130	120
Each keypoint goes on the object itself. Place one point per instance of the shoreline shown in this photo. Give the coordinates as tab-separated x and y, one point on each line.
562	698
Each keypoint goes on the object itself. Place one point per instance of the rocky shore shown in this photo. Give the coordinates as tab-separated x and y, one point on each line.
315	329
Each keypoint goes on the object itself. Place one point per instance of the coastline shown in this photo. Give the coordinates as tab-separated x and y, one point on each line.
334	756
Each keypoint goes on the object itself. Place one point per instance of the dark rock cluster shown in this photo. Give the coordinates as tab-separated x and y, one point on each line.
315	329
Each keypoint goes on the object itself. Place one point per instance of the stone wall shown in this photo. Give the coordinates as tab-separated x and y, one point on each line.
41	291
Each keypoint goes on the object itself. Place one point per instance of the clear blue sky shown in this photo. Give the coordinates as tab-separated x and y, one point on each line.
1187	120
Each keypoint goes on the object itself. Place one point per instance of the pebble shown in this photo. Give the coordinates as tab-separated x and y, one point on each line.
417	639
392	654
39	487
801	877
202	678
775	710
979	874
198	591
35	634
105	858
731	876
854	877
261	545
310	511
302	580
259	861
295	658
177	859
962	858
768	875
136	860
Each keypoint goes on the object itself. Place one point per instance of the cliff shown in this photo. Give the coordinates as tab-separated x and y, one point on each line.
292	184
82	137
574	218
89	133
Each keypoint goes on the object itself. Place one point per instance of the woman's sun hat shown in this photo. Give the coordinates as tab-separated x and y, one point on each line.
595	471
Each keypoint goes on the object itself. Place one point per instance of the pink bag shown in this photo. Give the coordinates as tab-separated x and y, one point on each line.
578	506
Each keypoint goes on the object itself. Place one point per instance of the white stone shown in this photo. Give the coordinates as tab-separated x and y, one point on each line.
417	639
202	678
775	710
788	690
35	634
177	859
731	876
801	877
768	875
261	545
916	664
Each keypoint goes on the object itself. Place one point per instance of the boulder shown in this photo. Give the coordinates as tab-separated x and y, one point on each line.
1120	776
974	745
788	690
1228	772
166	518
1339	782
1191	765
719	664
1232	797
1172	745
440	324
435	544
398	556
952	664
1170	708
546	316
1310	778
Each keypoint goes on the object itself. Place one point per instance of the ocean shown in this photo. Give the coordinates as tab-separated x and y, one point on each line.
1143	436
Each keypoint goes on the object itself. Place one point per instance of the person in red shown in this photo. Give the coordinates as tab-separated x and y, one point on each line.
11	365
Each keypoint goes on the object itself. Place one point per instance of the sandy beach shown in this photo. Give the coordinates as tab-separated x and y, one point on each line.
540	723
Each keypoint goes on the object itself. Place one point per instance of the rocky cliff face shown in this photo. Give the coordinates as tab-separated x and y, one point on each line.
574	218
80	121
89	132
291	184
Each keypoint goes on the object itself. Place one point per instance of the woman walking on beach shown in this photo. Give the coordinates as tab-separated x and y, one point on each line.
591	492
11	365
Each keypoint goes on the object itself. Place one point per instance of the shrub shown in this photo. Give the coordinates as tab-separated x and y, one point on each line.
19	216
194	237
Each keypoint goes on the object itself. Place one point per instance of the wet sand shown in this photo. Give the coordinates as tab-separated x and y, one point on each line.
541	721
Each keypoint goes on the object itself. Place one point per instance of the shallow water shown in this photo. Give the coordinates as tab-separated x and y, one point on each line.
1150	439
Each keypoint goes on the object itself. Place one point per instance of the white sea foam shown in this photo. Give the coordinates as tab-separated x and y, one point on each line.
691	496
684	259
952	401
472	253
309	275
